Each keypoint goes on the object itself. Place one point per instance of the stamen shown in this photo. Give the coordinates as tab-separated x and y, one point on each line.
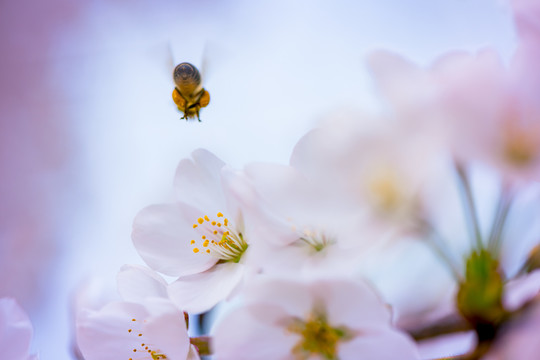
221	241
145	348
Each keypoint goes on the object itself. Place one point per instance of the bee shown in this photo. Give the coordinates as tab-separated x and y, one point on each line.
189	95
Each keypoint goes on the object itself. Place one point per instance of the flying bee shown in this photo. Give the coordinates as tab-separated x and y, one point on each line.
189	95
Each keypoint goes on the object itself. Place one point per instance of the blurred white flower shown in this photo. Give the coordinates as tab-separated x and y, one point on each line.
150	329
324	319
15	331
481	109
201	238
383	176
299	229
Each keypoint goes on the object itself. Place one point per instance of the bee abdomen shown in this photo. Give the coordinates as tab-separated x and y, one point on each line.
186	74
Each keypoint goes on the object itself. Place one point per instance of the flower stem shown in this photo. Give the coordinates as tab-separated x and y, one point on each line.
469	206
203	344
503	208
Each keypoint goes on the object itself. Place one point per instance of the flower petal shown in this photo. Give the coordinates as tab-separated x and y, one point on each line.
238	336
15	330
136	283
352	304
122	330
162	234
200	292
197	182
385	345
293	296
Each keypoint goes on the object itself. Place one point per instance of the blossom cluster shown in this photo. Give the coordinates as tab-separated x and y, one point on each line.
295	258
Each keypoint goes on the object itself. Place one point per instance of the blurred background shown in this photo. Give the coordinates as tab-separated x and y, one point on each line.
89	134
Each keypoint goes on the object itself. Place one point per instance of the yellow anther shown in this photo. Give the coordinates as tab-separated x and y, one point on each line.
203	237
205	243
219	214
226	221
129	330
140	334
196	250
226	233
213	223
200	220
219	224
195	225
206	218
208	251
192	242
133	320
215	232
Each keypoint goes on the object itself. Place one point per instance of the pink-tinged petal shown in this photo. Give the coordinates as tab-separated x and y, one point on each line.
136	283
15	330
293	296
169	331
351	304
239	336
197	181
193	353
519	291
402	82
200	292
120	331
162	235
105	335
384	345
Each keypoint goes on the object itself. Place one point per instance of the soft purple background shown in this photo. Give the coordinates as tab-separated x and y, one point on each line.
89	134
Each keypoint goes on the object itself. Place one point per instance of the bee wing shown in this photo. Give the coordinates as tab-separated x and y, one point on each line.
212	54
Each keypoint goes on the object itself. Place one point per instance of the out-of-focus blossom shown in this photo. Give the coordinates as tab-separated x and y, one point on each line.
323	319
15	331
383	176
201	238
299	229
493	120
135	283
151	329
472	103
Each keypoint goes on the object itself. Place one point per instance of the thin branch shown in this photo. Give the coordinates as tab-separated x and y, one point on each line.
445	326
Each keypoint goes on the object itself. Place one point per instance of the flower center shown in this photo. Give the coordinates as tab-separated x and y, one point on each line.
317	337
219	238
520	148
385	192
316	241
143	349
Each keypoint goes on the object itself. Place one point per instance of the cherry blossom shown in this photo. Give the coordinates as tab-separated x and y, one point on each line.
151	329
325	319
15	331
201	239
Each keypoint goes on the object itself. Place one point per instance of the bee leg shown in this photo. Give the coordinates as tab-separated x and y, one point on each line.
197	112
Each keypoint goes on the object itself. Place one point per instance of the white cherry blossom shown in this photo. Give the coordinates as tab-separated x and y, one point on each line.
323	319
152	329
201	239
